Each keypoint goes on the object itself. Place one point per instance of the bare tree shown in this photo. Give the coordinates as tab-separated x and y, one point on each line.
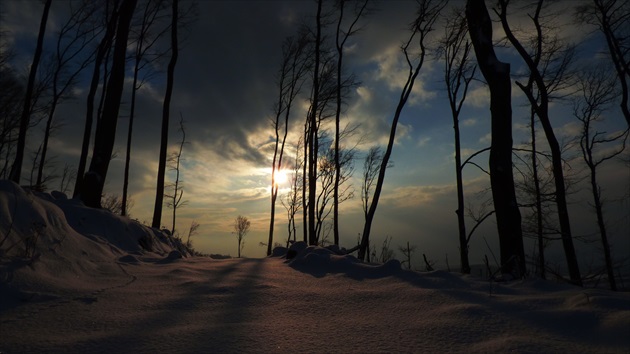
458	73
170	77
497	75
428	13
102	53
327	175
596	93
145	40
387	252
67	177
407	252
371	167
192	231
553	60
11	96
175	200
16	169
291	78
241	228
612	19
68	61
291	200
341	36
310	141
94	180
537	193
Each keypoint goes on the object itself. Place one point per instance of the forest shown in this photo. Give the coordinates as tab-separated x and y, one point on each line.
107	57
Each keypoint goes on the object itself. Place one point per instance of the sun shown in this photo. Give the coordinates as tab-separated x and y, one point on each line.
281	177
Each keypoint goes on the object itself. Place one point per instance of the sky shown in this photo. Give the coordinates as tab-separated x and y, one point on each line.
225	88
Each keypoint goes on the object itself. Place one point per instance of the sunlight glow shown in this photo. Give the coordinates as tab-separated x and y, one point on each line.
281	177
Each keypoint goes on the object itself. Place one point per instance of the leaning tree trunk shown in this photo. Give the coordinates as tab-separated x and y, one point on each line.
94	179
159	193
16	170
497	74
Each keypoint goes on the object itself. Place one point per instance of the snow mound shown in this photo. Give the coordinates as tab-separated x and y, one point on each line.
319	261
48	241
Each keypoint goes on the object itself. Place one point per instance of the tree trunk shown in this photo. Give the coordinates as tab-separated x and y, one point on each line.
542	111
16	170
538	203
312	150
602	228
102	50
497	74
159	192
94	179
616	51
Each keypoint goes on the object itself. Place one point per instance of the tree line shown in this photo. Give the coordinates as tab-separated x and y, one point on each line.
528	183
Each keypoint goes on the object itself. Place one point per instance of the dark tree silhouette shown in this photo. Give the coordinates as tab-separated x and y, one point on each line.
16	169
291	78
175	200
291	200
596	91
145	41
428	13
69	60
159	192
11	96
497	75
341	36
241	228
94	179
101	55
540	105
612	18
458	73
312	131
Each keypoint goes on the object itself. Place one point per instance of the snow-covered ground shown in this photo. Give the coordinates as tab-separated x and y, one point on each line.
86	285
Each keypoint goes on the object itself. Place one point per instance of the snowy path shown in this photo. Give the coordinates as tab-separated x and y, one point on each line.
262	305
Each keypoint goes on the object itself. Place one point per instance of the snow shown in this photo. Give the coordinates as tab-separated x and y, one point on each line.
89	286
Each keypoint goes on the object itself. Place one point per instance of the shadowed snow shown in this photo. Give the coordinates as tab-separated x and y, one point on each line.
92	288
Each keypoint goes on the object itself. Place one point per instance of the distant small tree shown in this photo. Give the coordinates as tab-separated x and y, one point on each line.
192	231
113	203
241	228
407	252
387	252
67	177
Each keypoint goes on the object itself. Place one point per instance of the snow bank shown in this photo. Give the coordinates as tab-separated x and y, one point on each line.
49	242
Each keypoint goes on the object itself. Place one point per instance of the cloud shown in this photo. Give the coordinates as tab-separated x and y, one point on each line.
414	196
469	122
423	141
486	139
478	97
